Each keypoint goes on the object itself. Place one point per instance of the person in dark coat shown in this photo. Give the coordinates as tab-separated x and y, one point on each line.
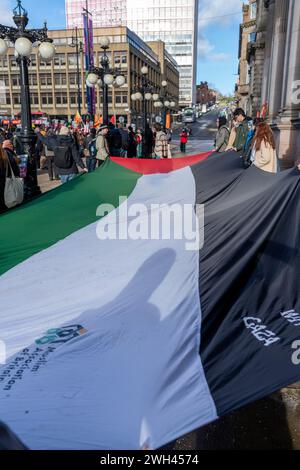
132	144
66	155
6	156
149	142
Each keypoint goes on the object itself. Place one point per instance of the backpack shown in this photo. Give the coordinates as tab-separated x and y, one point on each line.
63	157
93	149
116	139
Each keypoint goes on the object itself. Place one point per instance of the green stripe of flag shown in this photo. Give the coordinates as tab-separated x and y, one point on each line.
41	223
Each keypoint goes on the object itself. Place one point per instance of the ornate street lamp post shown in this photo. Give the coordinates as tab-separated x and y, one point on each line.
105	76
23	40
146	93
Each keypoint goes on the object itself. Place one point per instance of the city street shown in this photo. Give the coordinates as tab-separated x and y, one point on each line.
202	138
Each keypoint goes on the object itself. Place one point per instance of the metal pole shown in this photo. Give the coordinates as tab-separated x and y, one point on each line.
105	103
78	73
105	67
27	137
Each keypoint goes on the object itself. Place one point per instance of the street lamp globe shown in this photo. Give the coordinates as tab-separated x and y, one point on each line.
120	80
92	78
148	96
144	70
99	83
164	83
139	95
108	79
23	47
3	47
47	51
156	104
159	104
155	97
104	42
172	104
133	97
89	84
167	103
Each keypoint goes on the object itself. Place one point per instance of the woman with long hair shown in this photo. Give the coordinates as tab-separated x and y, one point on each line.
6	157
264	149
223	134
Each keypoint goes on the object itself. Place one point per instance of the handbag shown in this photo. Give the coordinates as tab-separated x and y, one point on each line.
14	189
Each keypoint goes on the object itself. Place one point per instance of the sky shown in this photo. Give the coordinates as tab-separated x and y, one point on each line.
218	31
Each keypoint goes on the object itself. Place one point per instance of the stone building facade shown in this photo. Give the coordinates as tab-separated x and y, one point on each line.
247	37
274	65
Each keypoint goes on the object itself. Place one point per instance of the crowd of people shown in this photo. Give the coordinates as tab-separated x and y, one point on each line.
252	138
64	151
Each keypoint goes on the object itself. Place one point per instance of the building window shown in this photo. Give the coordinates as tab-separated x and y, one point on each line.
253	10
33	62
3	63
121	98
60	79
34	99
16	99
59	60
252	37
73	100
47	99
15	80
73	79
46	80
124	59
32	80
4	81
61	99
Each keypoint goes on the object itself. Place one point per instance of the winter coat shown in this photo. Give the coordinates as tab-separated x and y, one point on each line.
183	138
132	144
102	147
241	135
265	158
161	145
54	141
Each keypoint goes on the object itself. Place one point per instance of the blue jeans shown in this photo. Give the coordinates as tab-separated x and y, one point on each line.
66	178
91	164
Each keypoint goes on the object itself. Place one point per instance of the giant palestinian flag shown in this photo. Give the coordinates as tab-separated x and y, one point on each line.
131	342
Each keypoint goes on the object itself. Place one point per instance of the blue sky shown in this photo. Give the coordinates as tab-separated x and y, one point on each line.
218	34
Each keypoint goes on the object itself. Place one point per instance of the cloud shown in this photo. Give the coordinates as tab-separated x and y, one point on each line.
219	12
206	51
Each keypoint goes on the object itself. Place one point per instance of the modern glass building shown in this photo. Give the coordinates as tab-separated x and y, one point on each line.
173	21
105	12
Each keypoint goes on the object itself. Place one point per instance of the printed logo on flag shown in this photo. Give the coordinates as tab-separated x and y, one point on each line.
31	359
61	335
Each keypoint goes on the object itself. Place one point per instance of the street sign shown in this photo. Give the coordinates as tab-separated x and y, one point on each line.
121	120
